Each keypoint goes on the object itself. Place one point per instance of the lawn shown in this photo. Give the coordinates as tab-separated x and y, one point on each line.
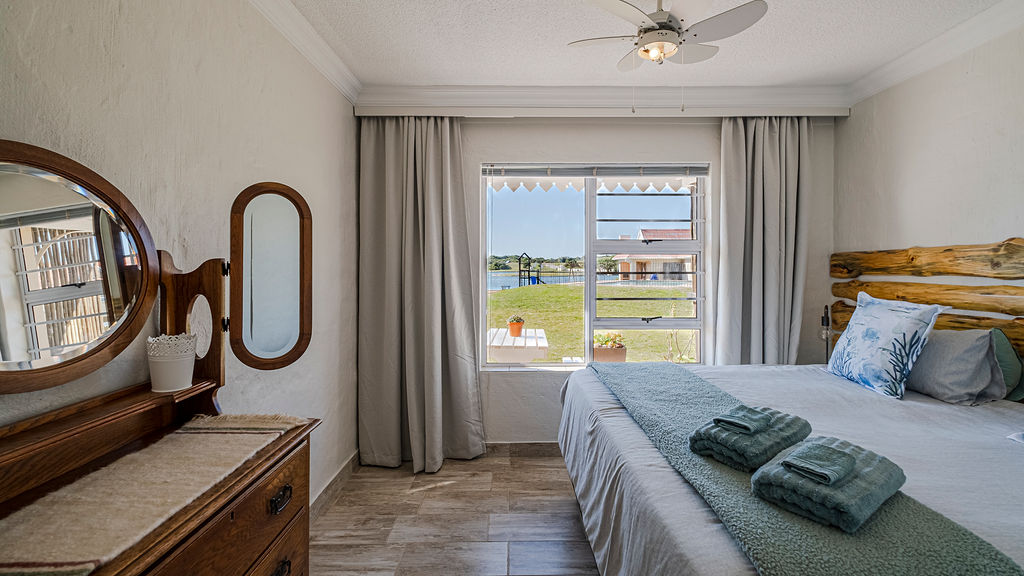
558	309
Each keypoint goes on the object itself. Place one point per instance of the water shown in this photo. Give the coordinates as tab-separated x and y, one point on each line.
502	280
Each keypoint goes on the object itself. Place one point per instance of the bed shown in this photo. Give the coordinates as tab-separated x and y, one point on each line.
642	517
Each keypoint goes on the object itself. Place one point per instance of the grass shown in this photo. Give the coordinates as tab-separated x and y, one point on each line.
558	310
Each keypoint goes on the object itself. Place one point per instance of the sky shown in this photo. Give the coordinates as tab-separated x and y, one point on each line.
547	219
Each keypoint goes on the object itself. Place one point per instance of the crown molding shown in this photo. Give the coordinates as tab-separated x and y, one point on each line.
605	101
300	33
988	25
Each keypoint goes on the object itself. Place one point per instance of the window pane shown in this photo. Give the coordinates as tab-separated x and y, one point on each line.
68	323
680	346
535	240
646	285
655	211
57	257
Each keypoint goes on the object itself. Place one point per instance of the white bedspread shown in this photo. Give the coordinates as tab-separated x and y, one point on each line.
643	518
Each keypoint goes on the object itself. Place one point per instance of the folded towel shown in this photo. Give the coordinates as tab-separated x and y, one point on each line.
747	452
819	462
848	503
744	419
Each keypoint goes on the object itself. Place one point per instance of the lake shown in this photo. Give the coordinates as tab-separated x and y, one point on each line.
500	280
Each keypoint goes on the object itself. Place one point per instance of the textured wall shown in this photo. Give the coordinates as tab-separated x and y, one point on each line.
523	406
936	159
182	104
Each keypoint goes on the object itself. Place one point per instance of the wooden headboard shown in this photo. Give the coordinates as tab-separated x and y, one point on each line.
1002	261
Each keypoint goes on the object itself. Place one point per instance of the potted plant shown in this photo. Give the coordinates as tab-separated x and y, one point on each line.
515	326
609	347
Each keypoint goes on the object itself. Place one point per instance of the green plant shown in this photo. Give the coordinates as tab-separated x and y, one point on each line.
515	319
609	340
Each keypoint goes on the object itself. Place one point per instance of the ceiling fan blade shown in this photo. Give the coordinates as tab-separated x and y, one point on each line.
626	11
631	61
693	53
727	23
690	12
603	40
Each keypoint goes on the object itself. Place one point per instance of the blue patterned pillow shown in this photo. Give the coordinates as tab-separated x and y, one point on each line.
882	342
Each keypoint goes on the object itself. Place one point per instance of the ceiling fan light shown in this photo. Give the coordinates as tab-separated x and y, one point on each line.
657	45
658	51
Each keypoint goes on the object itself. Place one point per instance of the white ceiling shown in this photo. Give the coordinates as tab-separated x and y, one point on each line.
523	42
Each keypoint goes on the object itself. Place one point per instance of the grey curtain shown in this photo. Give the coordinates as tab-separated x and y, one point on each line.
419	396
766	179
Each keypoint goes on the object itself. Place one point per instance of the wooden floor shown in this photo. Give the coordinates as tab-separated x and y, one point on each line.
493	515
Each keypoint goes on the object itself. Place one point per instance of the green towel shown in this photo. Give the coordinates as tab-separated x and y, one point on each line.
744	419
748	452
848	503
819	462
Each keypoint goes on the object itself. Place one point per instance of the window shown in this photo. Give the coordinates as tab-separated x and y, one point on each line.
602	263
66	301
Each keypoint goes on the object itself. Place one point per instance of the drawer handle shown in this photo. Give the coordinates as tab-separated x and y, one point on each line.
283	569
280	502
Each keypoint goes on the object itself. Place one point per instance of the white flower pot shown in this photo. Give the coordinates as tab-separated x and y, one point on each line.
171	361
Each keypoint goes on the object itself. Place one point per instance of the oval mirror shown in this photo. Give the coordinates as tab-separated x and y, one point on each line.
271	276
77	269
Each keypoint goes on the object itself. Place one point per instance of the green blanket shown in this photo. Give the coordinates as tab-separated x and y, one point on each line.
903	537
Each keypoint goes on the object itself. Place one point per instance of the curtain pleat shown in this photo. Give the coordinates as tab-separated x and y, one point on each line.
419	396
766	175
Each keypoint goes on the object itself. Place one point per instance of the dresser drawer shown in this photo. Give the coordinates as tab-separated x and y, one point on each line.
289	556
231	542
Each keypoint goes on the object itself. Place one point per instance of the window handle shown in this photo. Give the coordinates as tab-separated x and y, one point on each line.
648	241
648	319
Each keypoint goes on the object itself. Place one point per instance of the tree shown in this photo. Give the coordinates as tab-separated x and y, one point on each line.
497	263
607	264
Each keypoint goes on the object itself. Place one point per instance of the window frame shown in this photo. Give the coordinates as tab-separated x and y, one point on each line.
34	297
593	246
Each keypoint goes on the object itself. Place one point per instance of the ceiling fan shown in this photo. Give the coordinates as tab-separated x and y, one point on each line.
678	35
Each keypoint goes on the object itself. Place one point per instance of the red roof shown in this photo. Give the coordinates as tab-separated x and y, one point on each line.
664	234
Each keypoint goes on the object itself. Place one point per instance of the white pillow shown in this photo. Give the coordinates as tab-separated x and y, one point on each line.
882	342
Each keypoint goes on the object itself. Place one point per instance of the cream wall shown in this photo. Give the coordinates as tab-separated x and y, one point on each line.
937	159
523	406
181	105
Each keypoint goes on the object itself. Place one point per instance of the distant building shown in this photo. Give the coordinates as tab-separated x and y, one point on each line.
656	266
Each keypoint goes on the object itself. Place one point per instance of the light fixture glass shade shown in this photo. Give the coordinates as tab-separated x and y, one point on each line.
657	45
658	51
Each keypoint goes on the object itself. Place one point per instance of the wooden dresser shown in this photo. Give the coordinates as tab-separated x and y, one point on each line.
255	521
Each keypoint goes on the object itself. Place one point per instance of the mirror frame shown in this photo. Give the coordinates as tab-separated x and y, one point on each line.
18	381
237	273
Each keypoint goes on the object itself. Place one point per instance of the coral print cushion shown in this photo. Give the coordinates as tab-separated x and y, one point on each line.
882	342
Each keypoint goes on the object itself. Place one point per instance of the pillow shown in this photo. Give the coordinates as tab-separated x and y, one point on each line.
1011	365
882	342
959	367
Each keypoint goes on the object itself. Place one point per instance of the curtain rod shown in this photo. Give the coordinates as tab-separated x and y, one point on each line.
617	112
